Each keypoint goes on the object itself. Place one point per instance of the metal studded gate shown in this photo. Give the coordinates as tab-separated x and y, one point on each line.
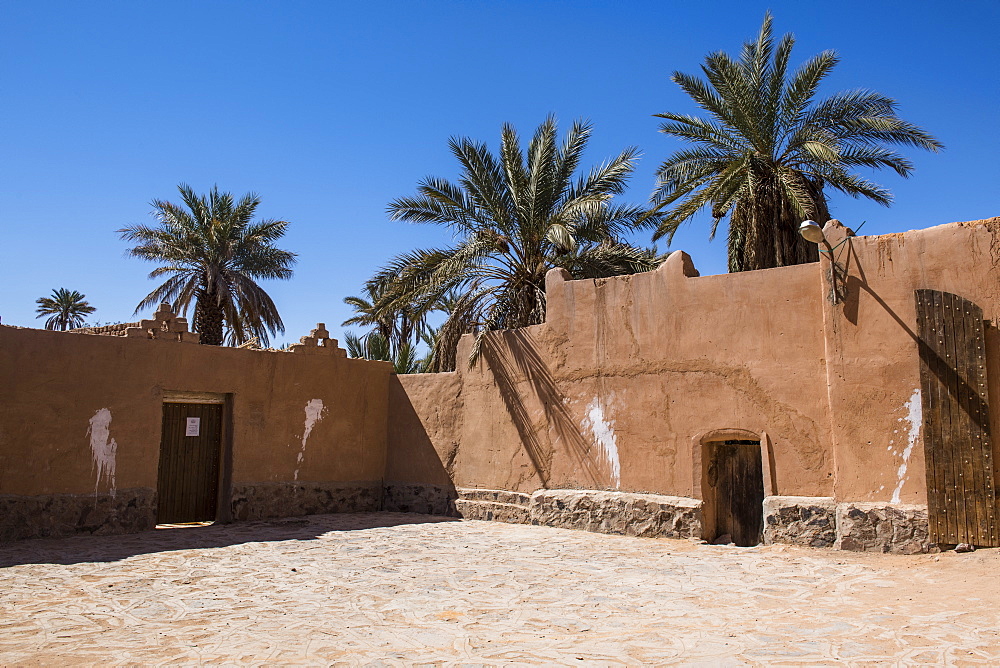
961	493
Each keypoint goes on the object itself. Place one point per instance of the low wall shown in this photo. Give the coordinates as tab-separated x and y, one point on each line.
646	515
81	422
805	521
879	527
798	520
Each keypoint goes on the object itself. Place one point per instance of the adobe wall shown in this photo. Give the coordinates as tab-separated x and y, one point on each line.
628	376
873	358
81	415
596	419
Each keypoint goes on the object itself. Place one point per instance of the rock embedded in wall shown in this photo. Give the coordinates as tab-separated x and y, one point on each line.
810	521
881	527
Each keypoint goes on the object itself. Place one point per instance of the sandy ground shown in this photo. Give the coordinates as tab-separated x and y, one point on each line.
394	589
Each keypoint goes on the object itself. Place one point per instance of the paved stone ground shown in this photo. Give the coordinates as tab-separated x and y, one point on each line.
394	589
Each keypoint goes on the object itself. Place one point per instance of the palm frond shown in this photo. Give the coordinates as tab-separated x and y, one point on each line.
767	149
514	215
214	253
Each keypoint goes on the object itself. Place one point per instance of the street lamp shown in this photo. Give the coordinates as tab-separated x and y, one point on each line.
812	232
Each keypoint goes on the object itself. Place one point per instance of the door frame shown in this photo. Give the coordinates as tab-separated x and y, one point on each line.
700	471
224	483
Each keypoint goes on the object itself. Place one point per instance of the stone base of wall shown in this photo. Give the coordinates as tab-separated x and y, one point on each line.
795	520
493	512
807	521
881	527
493	505
401	497
264	500
648	515
44	516
810	521
621	513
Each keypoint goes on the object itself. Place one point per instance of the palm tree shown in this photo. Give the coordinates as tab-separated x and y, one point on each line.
66	309
514	217
767	151
398	327
214	252
374	346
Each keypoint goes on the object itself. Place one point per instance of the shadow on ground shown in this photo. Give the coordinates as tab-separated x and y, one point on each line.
89	549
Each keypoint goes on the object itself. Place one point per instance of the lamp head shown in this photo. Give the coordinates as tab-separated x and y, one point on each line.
810	231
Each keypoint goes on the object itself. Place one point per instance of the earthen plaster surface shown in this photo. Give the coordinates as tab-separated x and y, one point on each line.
619	390
615	390
295	417
628	376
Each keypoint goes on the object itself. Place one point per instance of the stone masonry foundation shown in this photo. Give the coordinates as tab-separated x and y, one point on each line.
648	515
264	500
880	527
50	515
794	520
810	521
400	497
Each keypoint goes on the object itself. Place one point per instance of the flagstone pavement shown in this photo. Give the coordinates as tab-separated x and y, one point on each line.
397	589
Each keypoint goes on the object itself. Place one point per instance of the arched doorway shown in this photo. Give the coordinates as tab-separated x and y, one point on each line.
733	489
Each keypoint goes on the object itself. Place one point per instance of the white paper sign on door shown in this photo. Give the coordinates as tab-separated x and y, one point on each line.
193	427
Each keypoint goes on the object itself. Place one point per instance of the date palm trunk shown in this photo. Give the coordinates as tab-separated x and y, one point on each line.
208	319
764	231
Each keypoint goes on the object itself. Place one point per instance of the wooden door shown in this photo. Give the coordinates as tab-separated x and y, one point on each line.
188	480
736	491
961	494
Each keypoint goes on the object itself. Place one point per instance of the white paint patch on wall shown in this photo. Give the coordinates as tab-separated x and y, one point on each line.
604	436
103	449
315	411
915	416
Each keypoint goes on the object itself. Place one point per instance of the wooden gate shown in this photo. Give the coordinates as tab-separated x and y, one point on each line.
736	490
961	495
188	479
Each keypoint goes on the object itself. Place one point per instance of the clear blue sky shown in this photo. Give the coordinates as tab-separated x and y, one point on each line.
331	109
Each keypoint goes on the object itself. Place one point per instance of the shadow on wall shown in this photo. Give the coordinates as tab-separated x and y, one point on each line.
417	477
979	410
992	335
513	354
413	457
84	549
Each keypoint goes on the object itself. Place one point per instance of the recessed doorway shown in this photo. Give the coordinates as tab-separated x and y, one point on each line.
188	477
733	491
